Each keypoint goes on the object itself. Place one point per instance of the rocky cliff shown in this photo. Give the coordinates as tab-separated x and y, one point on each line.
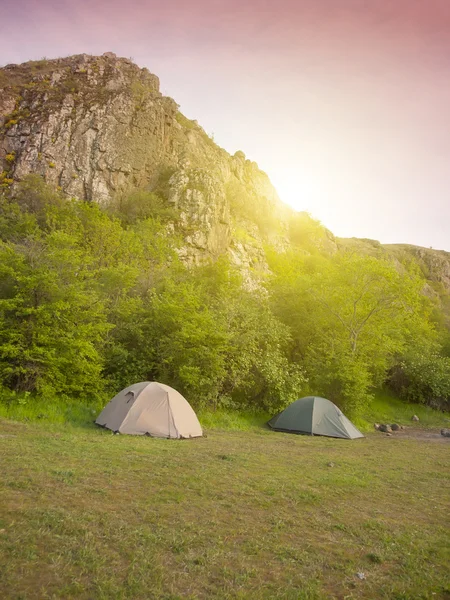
98	127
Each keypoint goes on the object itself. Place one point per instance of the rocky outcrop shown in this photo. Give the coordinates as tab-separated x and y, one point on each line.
434	265
201	201
99	127
93	126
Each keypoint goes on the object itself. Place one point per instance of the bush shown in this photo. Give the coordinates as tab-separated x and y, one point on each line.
424	378
141	205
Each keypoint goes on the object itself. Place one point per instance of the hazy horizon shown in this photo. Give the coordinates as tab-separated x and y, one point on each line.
343	104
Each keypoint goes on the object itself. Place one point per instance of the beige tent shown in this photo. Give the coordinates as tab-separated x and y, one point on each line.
150	408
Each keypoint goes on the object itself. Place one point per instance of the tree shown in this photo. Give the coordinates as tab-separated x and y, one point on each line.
350	315
51	320
422	375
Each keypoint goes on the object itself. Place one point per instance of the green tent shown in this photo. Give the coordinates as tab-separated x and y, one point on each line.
316	416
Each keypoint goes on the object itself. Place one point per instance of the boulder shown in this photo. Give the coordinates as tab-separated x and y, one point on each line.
445	432
385	428
395	427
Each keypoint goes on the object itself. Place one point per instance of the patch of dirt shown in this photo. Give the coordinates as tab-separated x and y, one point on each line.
419	433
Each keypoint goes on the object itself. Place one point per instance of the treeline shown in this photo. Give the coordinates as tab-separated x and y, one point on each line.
94	299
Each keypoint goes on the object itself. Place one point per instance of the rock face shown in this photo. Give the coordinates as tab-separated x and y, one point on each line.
92	126
98	127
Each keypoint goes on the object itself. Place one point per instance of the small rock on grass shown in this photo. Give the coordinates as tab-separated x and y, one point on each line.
385	428
361	576
330	464
395	427
415	418
377	426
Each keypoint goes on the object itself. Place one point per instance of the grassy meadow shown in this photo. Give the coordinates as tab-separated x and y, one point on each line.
242	513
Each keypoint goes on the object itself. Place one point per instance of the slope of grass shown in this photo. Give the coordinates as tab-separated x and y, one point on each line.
60	411
86	514
387	408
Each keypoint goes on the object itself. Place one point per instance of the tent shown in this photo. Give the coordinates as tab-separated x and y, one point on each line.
316	416
150	408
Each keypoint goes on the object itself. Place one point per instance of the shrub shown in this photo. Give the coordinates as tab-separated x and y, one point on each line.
423	377
140	205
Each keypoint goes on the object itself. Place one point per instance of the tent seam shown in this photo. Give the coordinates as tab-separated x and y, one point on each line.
312	414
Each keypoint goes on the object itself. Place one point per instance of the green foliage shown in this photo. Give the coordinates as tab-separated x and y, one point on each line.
92	300
69	85
5	180
223	348
10	123
246	205
68	411
140	205
52	321
307	233
350	315
423	376
34	196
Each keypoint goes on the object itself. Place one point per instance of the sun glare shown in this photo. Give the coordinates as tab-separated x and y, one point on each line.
294	190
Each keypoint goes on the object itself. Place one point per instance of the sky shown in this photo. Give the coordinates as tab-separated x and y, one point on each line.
344	103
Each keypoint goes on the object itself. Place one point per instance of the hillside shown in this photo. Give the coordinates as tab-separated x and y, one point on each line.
434	265
133	248
98	127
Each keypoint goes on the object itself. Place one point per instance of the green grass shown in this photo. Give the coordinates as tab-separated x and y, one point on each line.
57	411
386	408
239	514
233	420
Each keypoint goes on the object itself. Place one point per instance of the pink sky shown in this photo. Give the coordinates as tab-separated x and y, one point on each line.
345	103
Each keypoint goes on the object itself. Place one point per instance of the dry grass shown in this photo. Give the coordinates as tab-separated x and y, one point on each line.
86	514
